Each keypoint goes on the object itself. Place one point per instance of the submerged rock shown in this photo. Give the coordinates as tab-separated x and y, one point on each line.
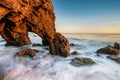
117	46
72	44
114	57
74	53
81	62
18	17
30	52
60	46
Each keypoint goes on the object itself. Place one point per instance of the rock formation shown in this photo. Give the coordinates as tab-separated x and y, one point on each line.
30	52
60	46
81	61
110	50
18	17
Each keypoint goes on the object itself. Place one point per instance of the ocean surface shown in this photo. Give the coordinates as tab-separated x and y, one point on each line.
47	67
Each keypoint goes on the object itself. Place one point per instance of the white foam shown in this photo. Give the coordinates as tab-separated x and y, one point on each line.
47	67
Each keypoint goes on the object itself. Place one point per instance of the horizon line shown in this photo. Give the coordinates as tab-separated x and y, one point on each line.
93	33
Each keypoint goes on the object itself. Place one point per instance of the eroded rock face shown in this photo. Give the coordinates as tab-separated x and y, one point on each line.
60	46
18	17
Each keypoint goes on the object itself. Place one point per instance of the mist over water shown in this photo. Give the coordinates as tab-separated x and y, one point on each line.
46	67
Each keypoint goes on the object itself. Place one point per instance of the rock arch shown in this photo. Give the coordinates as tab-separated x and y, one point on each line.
18	17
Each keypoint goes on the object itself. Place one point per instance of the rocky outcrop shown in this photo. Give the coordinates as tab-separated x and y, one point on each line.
114	57
110	50
18	17
60	46
28	51
117	46
81	62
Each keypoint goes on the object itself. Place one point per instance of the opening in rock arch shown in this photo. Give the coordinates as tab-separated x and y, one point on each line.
34	38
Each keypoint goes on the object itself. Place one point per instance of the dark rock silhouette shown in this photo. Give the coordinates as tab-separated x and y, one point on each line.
117	46
18	17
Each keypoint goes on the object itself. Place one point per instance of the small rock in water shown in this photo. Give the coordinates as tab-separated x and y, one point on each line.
117	46
110	50
114	57
72	44
28	51
81	62
34	45
74	53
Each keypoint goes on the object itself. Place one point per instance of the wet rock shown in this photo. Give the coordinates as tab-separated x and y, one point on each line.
28	51
72	44
74	53
117	46
34	45
81	62
108	50
114	57
60	46
18	17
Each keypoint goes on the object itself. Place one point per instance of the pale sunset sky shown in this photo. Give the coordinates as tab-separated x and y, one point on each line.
87	16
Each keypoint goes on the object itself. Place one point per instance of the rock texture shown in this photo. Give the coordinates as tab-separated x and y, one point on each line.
60	46
110	50
18	17
81	62
114	57
28	51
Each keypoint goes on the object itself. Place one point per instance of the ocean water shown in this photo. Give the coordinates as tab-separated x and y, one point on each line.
46	67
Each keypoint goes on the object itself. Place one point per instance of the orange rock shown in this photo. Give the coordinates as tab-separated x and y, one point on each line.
18	17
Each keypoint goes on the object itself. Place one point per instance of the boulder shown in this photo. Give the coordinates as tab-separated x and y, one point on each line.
18	17
28	51
108	50
81	62
74	53
114	57
117	46
60	46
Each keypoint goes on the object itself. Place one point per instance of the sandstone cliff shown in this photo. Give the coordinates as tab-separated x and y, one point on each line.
18	17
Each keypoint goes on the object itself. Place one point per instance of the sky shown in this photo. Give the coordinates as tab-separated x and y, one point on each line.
87	16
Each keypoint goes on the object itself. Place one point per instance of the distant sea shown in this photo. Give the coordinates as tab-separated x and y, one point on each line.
47	67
